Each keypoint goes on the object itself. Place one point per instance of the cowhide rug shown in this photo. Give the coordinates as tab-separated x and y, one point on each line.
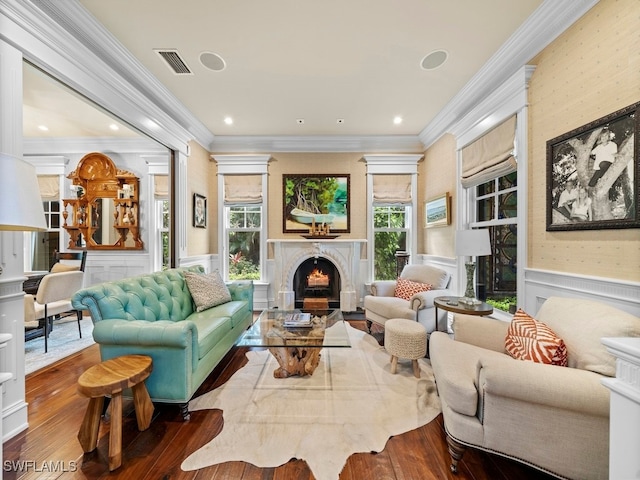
352	403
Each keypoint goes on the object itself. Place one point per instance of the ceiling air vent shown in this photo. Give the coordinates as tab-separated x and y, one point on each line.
174	61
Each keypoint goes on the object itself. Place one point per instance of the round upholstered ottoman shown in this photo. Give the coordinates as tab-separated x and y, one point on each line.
405	339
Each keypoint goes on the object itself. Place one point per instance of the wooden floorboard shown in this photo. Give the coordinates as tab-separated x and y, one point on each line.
56	411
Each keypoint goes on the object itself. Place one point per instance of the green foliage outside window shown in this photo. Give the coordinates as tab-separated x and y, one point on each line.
390	235
244	242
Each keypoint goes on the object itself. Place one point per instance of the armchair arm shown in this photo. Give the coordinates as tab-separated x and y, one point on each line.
383	288
142	333
456	366
557	387
483	332
422	300
242	290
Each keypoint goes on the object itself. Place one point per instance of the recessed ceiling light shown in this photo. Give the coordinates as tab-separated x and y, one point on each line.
228	120
397	120
434	59
43	128
114	127
300	121
340	121
212	61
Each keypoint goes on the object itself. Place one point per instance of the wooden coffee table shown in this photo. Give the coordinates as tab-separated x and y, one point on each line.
297	349
453	304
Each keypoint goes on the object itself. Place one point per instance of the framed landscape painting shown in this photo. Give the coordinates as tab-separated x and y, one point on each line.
437	211
316	200
592	174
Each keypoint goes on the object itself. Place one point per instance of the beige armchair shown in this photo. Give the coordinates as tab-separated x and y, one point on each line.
382	305
52	299
553	418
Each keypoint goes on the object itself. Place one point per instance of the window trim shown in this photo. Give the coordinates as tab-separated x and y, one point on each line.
400	164
508	99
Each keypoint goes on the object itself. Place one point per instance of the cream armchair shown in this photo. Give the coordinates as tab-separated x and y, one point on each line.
382	305
553	418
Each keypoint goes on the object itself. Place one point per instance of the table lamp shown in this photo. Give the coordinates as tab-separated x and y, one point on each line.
21	209
472	243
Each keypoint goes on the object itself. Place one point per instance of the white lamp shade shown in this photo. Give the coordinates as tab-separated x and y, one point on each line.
473	243
20	202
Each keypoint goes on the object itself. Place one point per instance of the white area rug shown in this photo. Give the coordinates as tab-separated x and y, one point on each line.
352	403
63	341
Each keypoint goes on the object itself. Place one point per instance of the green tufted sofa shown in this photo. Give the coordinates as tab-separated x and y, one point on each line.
154	314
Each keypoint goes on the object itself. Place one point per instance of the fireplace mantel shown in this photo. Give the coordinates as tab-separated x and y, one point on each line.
289	253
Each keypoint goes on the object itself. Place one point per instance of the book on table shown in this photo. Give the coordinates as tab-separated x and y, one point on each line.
297	320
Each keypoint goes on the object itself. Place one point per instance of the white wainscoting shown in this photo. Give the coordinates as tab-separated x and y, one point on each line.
542	284
208	261
106	267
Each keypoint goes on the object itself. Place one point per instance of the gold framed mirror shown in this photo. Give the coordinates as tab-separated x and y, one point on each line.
105	213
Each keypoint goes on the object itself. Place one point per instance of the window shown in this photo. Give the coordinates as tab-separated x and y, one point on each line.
52	213
243	228
40	245
162	222
391	225
496	208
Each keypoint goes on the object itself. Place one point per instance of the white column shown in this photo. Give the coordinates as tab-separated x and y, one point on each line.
4	377
624	421
14	407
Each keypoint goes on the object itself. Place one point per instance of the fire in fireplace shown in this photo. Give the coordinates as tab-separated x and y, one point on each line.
318	278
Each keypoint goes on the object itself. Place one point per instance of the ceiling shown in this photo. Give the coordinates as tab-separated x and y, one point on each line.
299	67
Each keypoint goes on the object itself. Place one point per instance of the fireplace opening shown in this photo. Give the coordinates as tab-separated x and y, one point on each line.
317	279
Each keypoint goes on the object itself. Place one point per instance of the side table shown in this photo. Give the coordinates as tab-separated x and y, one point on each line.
453	304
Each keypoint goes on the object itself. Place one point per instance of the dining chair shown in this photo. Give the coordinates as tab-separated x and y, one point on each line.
52	299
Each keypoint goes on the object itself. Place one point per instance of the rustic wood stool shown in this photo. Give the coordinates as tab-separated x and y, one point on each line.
111	377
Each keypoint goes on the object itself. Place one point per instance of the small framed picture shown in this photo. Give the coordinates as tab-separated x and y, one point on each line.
437	211
199	211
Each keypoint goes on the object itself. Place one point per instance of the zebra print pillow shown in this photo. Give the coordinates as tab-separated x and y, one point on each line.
529	339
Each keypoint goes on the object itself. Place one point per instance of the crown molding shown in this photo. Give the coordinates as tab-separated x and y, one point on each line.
316	143
550	20
67	145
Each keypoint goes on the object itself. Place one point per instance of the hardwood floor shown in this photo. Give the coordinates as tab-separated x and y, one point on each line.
49	447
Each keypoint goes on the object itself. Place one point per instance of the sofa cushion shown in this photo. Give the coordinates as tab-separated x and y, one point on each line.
207	290
581	324
406	288
529	339
236	310
211	330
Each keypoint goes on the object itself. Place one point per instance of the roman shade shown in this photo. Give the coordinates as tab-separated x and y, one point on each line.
242	189
392	189
161	186
49	186
490	156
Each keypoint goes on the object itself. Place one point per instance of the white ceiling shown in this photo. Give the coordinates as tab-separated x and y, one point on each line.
356	60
